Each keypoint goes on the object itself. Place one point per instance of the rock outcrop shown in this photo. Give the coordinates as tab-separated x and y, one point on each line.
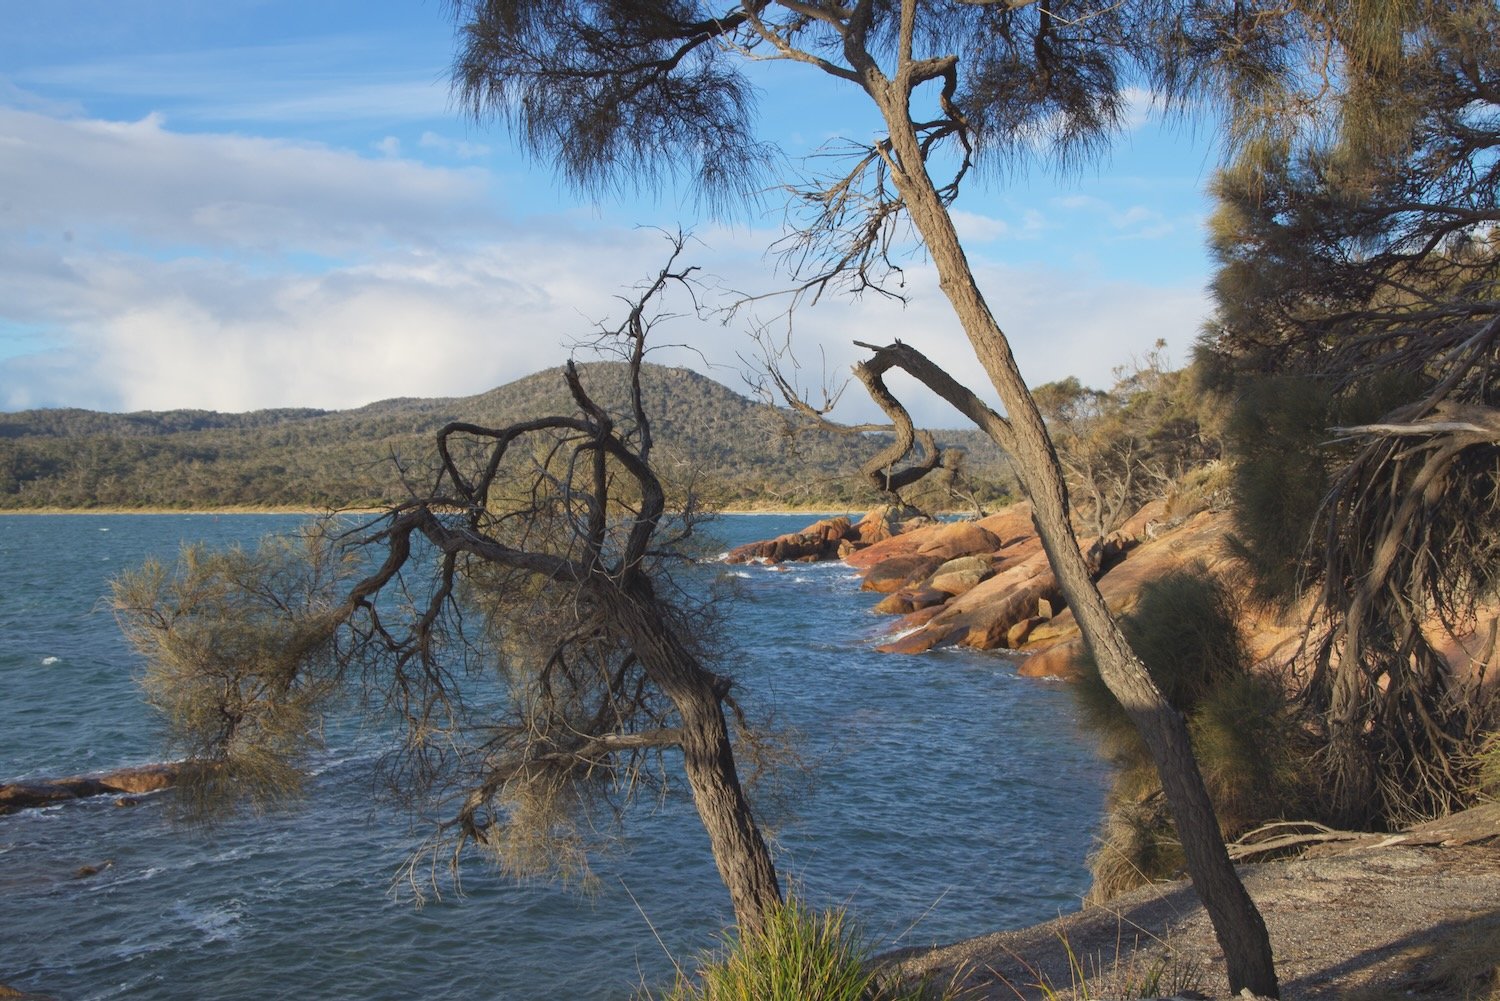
987	584
1017	604
131	781
831	538
819	541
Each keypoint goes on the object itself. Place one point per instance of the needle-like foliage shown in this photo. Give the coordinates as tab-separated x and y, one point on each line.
516	618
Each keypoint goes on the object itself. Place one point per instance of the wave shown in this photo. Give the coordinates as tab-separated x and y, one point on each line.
212	922
896	634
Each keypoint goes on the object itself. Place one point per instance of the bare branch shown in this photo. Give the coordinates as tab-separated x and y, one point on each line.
924	370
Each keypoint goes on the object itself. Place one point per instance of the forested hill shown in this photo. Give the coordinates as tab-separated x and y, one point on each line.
69	458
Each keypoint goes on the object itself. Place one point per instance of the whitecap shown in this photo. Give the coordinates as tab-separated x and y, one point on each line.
49	661
212	923
127	877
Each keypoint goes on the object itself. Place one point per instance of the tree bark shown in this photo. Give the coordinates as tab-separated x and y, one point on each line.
1237	923
740	852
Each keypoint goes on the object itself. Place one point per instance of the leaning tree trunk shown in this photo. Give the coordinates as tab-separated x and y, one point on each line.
739	850
1237	923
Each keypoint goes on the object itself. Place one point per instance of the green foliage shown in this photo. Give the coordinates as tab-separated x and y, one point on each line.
1137	845
1487	767
1251	750
1359	246
799	955
311	459
1284	460
239	662
1131	444
1357	242
1243	729
1184	629
1280	479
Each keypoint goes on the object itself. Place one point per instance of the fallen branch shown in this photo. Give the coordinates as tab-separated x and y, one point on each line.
1247	847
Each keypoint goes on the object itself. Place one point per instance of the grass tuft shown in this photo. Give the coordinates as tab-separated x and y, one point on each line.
799	955
1137	971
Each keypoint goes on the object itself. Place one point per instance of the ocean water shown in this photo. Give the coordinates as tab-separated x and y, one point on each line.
946	797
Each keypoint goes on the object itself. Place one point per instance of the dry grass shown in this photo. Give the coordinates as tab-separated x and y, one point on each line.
1464	966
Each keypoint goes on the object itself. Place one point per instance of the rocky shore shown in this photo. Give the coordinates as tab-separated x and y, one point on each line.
1369	917
987	584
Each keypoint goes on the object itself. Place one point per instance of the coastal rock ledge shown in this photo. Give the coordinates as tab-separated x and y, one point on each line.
986	584
15	796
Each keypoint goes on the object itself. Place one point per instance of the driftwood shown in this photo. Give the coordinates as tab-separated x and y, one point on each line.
1284	836
1476	825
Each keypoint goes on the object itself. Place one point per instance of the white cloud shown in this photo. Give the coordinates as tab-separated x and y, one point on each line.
978	228
1132	222
324	79
1141	107
218	336
143	183
225	272
229	272
456	147
1059	323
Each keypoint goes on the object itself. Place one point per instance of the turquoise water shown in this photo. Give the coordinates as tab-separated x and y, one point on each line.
946	797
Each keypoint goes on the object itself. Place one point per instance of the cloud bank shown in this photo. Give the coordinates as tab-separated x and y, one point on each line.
147	268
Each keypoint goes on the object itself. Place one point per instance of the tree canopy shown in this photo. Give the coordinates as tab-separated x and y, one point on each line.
515	617
635	91
1359	318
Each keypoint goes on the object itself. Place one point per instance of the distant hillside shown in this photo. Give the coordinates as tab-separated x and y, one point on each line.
68	458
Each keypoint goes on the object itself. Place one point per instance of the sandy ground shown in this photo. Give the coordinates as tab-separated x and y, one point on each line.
1403	916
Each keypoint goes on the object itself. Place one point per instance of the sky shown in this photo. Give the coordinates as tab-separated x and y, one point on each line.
242	204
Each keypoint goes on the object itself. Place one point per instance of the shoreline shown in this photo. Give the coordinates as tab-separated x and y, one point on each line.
277	509
235	509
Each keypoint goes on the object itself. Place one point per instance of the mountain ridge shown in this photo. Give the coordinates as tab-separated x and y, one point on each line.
71	458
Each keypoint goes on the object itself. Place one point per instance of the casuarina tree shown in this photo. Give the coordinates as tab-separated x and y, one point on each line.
1359	241
516	618
628	92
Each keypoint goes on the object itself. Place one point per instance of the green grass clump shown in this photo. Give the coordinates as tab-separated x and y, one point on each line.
1487	767
798	955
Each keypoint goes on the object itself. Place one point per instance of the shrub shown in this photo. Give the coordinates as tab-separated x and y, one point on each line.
1244	733
1487	767
799	955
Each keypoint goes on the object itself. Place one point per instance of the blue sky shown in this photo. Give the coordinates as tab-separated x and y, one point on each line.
252	203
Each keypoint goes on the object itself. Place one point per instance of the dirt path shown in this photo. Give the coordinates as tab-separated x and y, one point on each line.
1414	915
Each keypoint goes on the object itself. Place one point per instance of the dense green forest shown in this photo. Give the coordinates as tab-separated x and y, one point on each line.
741	452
